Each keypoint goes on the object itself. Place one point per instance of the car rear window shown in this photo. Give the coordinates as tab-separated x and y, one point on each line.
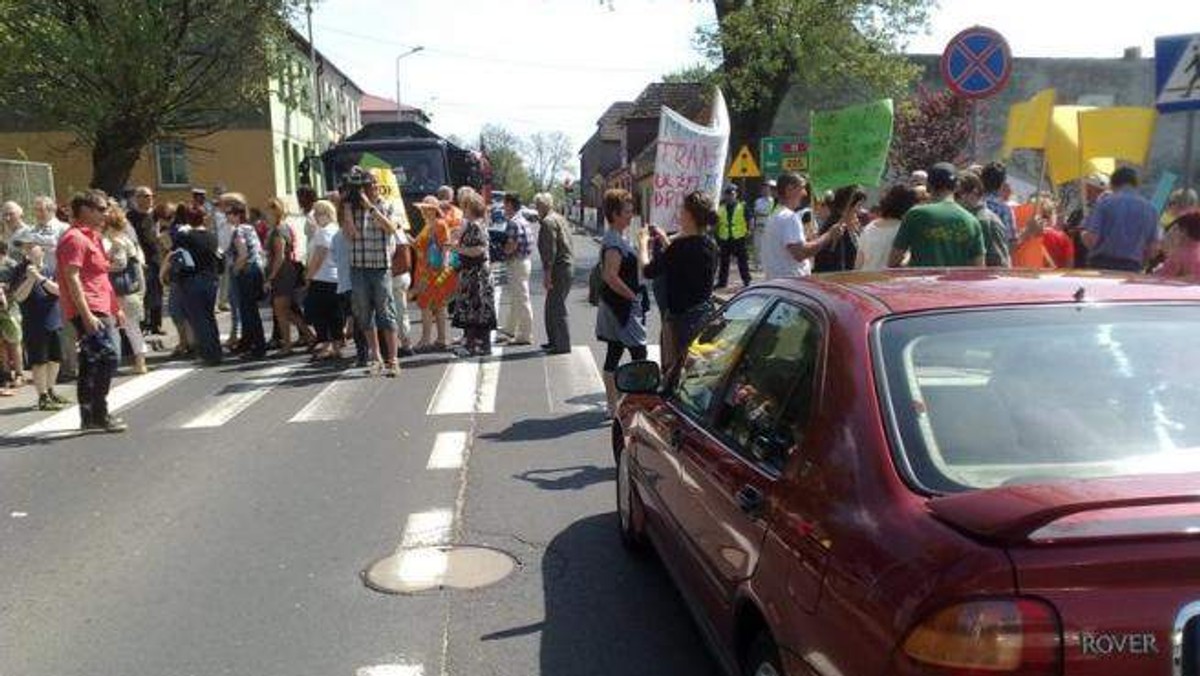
998	397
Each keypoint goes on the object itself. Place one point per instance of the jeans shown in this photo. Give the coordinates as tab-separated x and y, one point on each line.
520	306
199	305
558	332
249	286
733	248
97	364
371	298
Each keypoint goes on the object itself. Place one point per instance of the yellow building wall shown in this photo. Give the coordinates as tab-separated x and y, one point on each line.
240	160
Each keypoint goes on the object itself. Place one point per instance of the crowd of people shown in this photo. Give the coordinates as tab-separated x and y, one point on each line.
939	217
75	299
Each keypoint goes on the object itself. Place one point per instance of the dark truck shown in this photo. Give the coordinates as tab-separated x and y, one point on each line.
421	160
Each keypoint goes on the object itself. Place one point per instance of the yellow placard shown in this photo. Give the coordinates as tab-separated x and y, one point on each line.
744	165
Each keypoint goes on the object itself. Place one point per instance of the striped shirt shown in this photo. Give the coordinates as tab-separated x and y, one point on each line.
518	229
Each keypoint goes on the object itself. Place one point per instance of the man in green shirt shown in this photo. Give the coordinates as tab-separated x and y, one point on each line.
940	234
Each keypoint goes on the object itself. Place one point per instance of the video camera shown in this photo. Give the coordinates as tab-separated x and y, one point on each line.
351	185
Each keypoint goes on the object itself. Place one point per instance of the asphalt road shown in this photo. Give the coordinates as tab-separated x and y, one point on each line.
228	531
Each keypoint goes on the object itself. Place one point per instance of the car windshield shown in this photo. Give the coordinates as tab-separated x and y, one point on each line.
991	398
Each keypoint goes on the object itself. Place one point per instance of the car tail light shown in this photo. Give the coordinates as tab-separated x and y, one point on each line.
988	636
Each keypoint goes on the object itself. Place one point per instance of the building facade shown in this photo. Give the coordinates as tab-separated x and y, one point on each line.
260	155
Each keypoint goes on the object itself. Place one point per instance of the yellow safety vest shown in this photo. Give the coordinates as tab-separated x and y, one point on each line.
736	230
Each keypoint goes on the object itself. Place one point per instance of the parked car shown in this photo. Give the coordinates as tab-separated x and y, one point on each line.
929	472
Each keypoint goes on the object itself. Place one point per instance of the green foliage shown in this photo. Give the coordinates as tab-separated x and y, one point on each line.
697	72
766	46
120	74
505	151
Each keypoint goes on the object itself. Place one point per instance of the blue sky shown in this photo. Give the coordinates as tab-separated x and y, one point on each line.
535	65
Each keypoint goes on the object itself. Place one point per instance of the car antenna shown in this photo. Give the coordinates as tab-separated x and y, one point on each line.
1079	294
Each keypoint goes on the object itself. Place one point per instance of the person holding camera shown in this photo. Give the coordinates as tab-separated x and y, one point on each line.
36	291
368	224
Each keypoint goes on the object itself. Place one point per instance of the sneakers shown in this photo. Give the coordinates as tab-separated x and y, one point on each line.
391	370
45	403
58	398
375	368
110	425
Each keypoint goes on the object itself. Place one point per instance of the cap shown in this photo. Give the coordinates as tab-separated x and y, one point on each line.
199	191
771	182
919	176
942	174
731	188
1097	180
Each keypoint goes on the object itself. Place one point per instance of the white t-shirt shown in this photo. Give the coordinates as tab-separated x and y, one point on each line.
783	229
322	238
875	243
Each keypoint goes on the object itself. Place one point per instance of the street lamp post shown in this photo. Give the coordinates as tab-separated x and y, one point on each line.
414	50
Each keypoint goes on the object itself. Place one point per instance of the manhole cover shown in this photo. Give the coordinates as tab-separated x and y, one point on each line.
455	567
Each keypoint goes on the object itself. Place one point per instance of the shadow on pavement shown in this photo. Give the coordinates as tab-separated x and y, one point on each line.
551	428
568	478
609	613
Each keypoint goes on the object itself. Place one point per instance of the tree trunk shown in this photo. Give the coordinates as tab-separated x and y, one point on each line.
114	155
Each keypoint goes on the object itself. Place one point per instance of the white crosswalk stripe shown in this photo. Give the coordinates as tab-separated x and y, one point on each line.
228	404
341	399
573	381
468	386
120	398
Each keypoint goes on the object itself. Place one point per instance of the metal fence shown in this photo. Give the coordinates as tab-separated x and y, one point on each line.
20	182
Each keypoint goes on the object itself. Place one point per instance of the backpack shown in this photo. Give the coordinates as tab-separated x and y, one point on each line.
182	264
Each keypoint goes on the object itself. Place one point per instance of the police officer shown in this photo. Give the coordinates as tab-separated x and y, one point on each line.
732	232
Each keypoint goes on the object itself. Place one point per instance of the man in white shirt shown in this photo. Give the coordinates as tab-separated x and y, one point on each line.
785	251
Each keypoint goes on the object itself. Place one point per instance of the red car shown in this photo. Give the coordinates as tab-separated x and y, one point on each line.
930	472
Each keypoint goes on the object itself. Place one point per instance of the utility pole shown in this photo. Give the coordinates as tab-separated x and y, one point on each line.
315	99
414	50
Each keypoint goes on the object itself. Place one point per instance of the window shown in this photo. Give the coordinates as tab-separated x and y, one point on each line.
712	352
1003	397
171	158
767	403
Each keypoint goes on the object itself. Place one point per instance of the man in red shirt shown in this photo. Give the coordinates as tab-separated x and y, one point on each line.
89	303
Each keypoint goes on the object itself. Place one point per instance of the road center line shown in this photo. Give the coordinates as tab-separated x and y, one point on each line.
448	451
490	381
121	397
456	392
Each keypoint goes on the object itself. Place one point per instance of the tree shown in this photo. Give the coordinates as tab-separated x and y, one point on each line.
842	48
931	127
549	154
121	74
697	72
504	150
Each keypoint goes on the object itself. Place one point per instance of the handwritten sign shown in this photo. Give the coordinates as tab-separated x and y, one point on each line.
689	157
850	146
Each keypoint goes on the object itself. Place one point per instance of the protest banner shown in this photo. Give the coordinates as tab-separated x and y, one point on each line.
689	157
850	146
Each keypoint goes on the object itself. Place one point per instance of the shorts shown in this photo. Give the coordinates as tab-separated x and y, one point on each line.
44	348
371	298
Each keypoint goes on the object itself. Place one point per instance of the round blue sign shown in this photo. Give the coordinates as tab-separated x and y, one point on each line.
977	63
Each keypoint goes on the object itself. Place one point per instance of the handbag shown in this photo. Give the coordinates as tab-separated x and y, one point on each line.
126	282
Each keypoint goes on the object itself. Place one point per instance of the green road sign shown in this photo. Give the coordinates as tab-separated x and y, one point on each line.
783	153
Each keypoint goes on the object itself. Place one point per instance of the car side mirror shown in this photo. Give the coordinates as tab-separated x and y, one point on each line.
639	377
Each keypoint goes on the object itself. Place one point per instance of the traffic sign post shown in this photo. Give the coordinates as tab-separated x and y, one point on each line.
1177	87
977	64
783	153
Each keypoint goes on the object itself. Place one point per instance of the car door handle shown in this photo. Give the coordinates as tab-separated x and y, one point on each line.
750	500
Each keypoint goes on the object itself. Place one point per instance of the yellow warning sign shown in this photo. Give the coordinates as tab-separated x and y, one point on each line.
744	165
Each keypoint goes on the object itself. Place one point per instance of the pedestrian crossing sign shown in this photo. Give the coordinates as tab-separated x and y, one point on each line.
1177	72
744	165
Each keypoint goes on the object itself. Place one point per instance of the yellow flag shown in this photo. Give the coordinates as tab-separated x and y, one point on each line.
1062	148
1123	133
1029	122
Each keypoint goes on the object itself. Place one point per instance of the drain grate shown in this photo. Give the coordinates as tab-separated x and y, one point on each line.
411	571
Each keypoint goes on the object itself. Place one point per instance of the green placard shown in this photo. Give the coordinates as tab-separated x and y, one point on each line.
778	154
850	146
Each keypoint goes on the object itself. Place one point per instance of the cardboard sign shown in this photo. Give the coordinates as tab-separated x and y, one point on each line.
850	146
689	157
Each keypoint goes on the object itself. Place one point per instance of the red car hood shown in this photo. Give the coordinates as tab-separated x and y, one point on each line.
1010	514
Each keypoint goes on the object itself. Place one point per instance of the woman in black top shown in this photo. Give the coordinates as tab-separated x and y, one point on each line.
689	263
843	253
200	290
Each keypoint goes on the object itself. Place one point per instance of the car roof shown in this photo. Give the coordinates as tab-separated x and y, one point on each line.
917	290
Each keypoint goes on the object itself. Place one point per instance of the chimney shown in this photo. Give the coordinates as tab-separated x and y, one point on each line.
1133	53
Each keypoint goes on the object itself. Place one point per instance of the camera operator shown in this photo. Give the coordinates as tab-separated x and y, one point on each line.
368	223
